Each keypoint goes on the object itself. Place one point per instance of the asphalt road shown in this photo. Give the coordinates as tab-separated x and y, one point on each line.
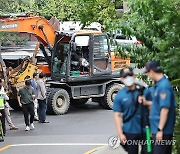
80	130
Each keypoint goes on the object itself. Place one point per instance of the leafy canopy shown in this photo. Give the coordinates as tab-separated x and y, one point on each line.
156	23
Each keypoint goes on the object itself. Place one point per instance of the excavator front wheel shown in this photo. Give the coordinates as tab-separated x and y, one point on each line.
111	91
58	102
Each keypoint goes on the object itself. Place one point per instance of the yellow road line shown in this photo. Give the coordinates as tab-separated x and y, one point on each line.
88	152
5	147
93	150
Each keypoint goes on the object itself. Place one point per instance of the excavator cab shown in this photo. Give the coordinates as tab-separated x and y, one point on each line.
80	56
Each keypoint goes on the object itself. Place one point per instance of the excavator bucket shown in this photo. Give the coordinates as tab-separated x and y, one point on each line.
24	71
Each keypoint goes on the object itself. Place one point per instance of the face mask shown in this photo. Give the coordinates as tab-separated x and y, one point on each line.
129	81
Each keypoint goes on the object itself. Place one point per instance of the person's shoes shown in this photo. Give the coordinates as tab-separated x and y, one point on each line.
1	140
44	121
35	119
13	128
32	126
27	128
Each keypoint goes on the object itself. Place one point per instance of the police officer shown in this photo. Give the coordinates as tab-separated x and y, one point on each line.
162	113
127	113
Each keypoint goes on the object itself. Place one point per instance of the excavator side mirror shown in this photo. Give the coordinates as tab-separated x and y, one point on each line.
73	46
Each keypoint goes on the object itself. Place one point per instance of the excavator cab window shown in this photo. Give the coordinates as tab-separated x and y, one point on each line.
101	55
60	59
80	57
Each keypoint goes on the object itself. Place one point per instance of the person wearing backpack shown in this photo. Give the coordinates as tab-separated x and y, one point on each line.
128	114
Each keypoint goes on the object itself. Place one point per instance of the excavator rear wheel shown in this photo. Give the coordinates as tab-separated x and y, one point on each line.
111	91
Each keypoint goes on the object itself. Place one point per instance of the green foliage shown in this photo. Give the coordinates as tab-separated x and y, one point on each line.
176	83
89	11
15	6
176	147
62	9
86	11
12	38
156	24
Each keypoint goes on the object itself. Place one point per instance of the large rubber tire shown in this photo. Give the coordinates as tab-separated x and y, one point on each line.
49	90
111	91
79	102
14	104
58	102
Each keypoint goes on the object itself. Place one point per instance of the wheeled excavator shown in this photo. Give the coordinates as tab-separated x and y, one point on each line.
81	63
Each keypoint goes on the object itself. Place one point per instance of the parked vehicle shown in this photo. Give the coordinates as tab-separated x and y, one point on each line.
76	26
124	40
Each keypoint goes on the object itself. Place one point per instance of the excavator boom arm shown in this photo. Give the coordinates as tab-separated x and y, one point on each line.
36	25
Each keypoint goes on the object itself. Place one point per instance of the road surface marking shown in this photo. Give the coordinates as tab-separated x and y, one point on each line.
5	147
60	144
95	149
54	144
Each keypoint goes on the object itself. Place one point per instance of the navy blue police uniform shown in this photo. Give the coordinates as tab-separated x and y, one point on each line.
125	102
163	97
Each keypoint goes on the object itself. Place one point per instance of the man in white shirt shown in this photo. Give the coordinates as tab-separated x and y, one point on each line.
41	97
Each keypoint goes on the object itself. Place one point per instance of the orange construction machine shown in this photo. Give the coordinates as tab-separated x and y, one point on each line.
81	63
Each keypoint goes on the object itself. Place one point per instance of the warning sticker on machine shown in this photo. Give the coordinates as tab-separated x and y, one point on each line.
8	26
